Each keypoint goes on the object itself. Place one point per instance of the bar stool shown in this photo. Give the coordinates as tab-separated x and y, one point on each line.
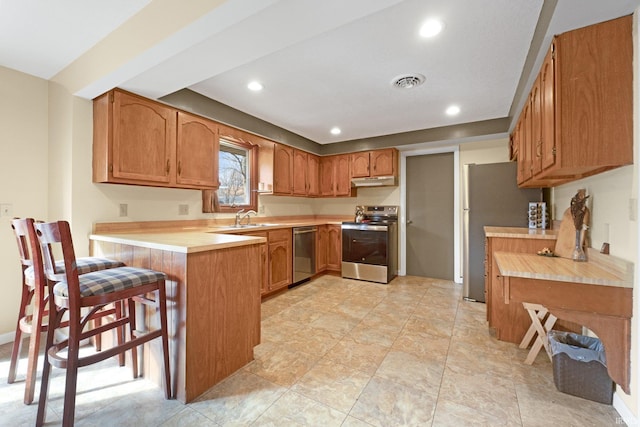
73	293
538	329
34	294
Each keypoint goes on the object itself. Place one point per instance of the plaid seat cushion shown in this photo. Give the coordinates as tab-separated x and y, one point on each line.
85	265
110	280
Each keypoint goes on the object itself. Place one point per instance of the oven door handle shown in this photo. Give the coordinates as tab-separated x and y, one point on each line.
365	227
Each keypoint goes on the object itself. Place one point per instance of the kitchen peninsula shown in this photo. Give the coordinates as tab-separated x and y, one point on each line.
596	294
213	299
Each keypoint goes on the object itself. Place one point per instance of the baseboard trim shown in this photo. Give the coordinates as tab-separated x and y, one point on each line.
7	338
625	414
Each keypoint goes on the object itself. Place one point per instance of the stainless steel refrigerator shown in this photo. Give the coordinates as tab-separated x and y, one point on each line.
492	198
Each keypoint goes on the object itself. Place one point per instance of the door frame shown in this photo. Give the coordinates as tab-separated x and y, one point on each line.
402	221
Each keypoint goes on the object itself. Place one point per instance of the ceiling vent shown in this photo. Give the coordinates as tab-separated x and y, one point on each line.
408	81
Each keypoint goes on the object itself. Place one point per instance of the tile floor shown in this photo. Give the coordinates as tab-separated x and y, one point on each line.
339	352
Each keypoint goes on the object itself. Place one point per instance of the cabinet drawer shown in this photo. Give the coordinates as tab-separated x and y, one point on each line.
282	234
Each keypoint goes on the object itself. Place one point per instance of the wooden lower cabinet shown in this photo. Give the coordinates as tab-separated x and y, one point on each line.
329	248
264	256
510	321
322	248
334	246
280	258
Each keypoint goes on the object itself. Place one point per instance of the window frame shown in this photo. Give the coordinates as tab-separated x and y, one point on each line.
252	164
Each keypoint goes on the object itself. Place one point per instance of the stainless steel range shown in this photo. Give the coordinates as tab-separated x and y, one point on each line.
370	244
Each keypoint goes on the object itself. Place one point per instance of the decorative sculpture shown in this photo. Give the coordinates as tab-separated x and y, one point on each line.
580	214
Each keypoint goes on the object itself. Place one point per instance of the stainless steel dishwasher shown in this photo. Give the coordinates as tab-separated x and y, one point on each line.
304	253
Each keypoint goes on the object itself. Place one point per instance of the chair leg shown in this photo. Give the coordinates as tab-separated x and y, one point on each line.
162	303
119	307
75	330
132	334
34	347
55	317
97	322
25	300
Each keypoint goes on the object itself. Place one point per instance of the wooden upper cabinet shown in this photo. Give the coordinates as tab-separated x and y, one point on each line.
585	99
548	113
384	162
300	184
374	163
143	139
327	175
197	151
342	175
313	175
360	165
138	141
282	169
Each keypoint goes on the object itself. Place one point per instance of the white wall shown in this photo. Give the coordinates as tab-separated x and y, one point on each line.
23	173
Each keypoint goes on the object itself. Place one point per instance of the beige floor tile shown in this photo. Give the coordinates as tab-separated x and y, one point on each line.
410	370
188	417
491	396
335	322
539	403
283	365
385	403
293	409
423	345
238	400
365	357
333	384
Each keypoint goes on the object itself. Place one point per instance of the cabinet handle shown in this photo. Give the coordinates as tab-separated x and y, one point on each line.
179	168
168	166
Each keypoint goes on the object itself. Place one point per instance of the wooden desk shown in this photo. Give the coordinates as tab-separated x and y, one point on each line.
596	294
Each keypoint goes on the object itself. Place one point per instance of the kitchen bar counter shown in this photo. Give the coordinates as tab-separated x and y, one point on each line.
213	300
180	241
520	233
596	294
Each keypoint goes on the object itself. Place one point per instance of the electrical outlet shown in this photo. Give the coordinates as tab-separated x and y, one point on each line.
123	209
6	209
183	209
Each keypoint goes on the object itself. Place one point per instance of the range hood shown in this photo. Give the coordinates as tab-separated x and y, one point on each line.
378	181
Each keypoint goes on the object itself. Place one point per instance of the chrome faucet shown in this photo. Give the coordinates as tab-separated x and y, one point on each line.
240	216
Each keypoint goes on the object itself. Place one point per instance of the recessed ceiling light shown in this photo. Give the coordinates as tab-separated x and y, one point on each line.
255	86
453	110
431	28
335	131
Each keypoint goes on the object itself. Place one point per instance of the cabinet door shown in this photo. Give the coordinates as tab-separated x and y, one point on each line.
299	173
360	165
342	176
313	175
197	151
536	127
322	248
264	257
525	143
282	169
327	178
547	87
144	139
334	255
280	262
383	162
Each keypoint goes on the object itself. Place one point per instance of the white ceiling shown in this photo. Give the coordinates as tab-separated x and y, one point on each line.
322	63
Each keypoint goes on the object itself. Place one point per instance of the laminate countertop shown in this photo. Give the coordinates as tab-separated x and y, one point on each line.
601	269
520	232
190	239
